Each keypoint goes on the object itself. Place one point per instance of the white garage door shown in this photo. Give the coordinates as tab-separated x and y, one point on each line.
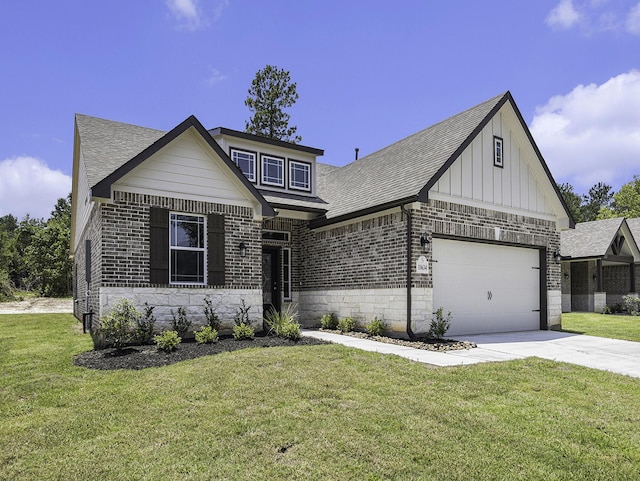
487	288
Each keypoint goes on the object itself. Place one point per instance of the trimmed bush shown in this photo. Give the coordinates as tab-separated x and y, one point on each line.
375	327
210	313
291	331
632	305
440	325
180	323
167	341
346	324
329	321
277	321
116	329
242	331
206	335
143	332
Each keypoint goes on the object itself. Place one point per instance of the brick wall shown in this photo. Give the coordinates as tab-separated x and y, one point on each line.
86	296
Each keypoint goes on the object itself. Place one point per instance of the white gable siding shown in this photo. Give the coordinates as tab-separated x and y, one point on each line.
83	203
521	184
186	168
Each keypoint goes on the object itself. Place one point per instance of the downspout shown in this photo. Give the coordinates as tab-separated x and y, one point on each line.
410	332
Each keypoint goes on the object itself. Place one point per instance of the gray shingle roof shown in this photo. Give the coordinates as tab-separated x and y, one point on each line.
403	169
107	145
590	239
634	227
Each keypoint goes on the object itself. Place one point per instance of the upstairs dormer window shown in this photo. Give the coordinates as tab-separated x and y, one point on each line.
498	154
272	171
246	161
299	175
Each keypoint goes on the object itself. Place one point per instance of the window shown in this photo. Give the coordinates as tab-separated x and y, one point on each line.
186	249
286	274
299	175
275	235
498	154
246	161
272	171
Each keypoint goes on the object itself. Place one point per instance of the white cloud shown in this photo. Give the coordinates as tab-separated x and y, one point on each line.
633	20
190	14
563	16
215	76
592	134
27	185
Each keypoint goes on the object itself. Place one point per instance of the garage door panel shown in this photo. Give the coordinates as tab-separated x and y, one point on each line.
487	287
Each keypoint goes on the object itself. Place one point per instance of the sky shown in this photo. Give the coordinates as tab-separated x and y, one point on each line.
368	74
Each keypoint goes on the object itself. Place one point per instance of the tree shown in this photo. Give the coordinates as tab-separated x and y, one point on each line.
599	197
626	202
573	201
270	93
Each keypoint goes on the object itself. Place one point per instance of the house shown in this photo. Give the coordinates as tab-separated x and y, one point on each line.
463	215
599	264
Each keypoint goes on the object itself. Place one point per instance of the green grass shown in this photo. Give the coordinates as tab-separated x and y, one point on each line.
307	413
601	325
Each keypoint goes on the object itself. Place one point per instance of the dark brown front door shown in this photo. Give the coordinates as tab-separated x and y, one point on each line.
270	279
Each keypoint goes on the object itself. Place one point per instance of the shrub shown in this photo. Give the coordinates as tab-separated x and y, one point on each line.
6	289
632	305
143	332
243	331
329	321
210	313
346	324
277	321
607	310
117	327
180	323
375	327
440	325
206	335
167	341
242	314
291	331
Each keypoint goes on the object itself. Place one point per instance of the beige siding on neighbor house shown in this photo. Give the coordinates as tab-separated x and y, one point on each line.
521	185
187	168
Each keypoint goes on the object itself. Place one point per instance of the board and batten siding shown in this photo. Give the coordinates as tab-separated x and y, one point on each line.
83	203
473	175
186	169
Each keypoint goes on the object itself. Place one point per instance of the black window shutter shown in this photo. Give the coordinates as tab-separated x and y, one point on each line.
87	260
215	249
159	248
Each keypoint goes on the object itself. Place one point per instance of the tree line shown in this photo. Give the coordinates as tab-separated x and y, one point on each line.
601	202
34	253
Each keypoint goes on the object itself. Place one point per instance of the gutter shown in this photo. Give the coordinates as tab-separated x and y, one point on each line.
410	332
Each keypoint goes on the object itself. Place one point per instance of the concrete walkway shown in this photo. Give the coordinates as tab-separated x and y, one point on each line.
621	357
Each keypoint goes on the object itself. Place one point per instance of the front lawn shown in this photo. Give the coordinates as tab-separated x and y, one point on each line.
613	326
304	413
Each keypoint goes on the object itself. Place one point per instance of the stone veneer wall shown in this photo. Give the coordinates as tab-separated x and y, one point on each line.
121	234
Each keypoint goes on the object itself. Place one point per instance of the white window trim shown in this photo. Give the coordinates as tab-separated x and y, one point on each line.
264	157
303	164
498	144
286	270
198	249
253	155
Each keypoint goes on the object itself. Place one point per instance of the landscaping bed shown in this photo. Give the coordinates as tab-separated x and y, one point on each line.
423	343
142	357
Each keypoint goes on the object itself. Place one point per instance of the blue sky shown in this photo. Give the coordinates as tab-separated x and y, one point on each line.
368	74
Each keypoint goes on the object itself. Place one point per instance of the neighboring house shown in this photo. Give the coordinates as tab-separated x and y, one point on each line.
599	264
463	215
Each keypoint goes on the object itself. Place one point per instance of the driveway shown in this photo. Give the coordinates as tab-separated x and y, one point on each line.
622	357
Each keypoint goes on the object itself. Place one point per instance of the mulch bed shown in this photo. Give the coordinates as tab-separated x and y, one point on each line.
425	344
142	357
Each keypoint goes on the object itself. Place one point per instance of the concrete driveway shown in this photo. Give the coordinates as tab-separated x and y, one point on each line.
622	357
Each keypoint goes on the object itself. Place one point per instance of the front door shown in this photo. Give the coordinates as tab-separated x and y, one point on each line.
270	279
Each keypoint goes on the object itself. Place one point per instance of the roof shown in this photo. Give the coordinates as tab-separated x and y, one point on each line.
285	200
107	145
111	153
590	239
265	140
634	227
405	171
